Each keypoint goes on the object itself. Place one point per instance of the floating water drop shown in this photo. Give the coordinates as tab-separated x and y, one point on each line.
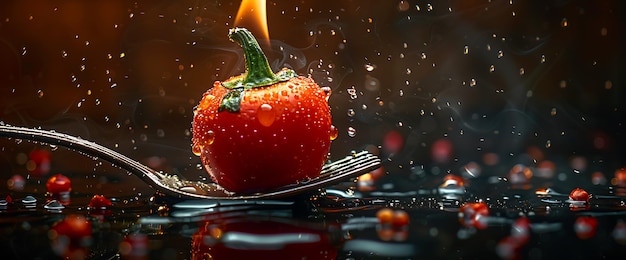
351	112
351	132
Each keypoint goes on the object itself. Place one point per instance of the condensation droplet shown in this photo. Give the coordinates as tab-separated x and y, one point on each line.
564	22
370	67
466	50
553	111
39	93
266	115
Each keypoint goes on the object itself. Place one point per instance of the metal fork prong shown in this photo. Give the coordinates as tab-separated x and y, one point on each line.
357	156
364	163
352	162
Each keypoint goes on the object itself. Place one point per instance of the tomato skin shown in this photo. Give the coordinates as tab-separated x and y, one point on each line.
280	136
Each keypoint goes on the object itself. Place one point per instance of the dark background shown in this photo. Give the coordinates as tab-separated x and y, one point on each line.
491	77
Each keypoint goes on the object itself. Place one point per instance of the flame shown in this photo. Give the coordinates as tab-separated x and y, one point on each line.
252	15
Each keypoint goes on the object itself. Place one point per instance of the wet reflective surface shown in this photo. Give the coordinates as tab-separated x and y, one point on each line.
487	116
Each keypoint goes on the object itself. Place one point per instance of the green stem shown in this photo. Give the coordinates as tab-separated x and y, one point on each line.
258	71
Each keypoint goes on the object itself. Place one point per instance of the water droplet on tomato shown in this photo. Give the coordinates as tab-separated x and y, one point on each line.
266	115
203	141
333	132
196	149
209	138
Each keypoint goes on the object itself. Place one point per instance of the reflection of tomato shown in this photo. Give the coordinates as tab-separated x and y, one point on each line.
261	239
38	162
71	237
262	130
585	227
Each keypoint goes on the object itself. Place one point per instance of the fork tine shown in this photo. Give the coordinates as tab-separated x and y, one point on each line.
350	161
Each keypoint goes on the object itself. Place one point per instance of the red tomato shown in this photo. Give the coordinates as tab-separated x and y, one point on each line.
58	183
99	201
253	137
579	194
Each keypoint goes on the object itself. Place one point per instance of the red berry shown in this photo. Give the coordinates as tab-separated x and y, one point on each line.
58	183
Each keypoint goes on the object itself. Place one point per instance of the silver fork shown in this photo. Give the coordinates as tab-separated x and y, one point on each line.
171	185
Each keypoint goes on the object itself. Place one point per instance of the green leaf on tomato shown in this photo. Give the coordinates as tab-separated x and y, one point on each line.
231	101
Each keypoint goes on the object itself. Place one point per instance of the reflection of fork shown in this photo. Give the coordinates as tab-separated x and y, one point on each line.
171	185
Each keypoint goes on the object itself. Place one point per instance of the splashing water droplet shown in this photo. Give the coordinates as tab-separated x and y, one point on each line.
351	132
351	112
472	82
266	115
